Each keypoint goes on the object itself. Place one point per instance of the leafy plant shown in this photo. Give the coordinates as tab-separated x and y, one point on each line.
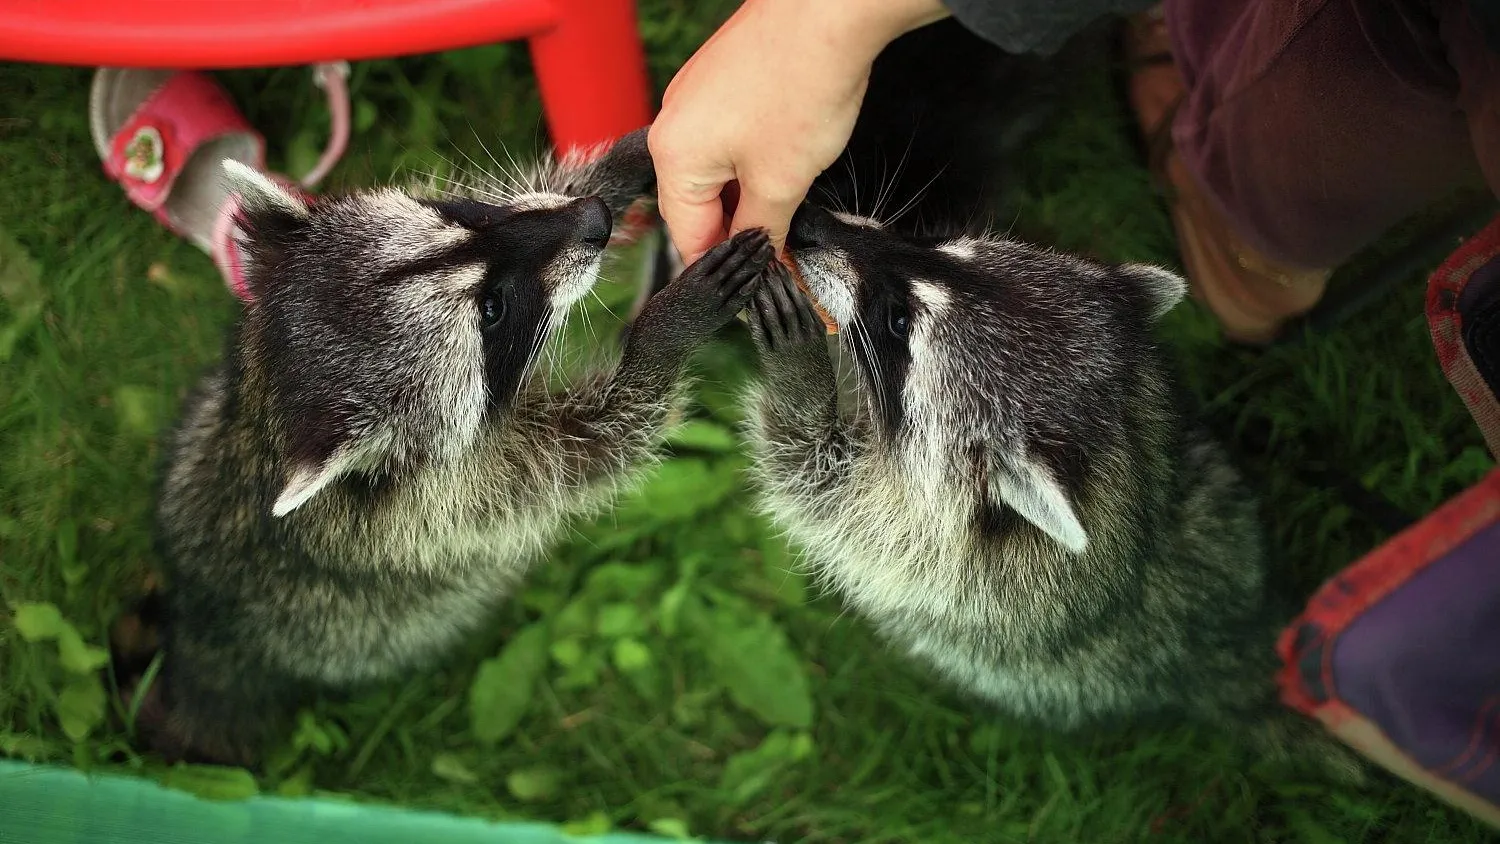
80	704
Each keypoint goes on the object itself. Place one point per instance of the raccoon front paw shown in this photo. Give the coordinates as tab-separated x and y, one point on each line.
702	300
733	271
782	317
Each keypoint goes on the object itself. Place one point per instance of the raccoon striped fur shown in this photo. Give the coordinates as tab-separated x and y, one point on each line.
376	463
1016	497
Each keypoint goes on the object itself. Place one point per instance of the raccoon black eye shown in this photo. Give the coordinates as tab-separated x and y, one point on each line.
897	324
491	309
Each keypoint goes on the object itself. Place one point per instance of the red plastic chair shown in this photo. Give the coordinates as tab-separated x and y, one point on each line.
590	66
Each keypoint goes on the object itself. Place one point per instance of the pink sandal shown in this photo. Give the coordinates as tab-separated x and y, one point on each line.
163	134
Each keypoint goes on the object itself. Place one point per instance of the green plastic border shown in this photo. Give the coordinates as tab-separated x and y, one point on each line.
42	804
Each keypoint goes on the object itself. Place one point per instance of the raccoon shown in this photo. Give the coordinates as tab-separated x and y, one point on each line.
1016	497
376	463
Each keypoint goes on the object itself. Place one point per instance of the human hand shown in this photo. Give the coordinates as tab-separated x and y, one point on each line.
768	102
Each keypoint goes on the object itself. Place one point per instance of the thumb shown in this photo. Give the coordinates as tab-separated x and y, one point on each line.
695	222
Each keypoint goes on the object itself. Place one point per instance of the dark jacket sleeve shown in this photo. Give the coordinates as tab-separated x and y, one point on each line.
1035	26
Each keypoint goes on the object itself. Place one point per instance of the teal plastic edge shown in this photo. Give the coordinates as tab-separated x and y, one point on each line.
43	804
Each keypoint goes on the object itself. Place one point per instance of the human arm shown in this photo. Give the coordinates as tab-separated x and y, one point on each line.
768	102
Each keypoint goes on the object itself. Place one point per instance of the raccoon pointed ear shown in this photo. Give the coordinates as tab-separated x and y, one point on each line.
310	475
1163	288
306	481
258	194
1029	488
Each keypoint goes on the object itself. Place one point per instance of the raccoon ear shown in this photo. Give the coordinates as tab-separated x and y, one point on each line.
258	194
307	480
1026	486
311	476
1163	288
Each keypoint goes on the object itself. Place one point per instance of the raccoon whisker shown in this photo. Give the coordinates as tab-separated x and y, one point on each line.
503	177
605	309
478	168
854	181
901	165
866	360
888	186
916	197
531	356
557	351
830	198
882	187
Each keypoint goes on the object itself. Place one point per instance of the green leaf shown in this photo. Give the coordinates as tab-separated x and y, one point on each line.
617	620
138	409
756	664
312	735
631	655
447	766
670	828
67	541
678	491
211	782
532	784
576	619
80	707
502	689
702	435
669	608
299	784
621	580
364	115
594	825
567	653
78	657
39	622
750	772
73	574
584	674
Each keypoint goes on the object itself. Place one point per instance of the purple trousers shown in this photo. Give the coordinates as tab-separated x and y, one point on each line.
1315	125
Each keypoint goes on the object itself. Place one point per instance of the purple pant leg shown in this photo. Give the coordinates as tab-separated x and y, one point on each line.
1315	125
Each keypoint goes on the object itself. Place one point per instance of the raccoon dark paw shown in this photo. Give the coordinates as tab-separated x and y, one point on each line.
727	275
782	317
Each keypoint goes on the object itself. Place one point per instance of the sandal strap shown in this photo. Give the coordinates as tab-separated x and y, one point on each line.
332	77
224	250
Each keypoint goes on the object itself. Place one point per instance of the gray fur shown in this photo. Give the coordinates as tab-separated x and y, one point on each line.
349	494
1037	520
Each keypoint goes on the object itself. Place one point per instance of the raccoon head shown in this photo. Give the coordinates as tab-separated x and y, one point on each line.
986	361
386	326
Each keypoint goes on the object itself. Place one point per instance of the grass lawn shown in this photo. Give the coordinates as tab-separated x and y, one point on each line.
664	669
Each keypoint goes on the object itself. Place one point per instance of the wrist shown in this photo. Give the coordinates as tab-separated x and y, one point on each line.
859	28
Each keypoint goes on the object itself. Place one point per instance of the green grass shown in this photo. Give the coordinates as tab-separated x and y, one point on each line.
664	669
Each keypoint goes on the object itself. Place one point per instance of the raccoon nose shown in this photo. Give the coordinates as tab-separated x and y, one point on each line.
595	223
809	226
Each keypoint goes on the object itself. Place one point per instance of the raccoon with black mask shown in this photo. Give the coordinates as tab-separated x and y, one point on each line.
1015	497
374	465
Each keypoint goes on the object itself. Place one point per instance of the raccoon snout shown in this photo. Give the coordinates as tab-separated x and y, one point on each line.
595	223
810	226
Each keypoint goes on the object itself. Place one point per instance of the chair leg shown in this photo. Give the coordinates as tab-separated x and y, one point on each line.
591	71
